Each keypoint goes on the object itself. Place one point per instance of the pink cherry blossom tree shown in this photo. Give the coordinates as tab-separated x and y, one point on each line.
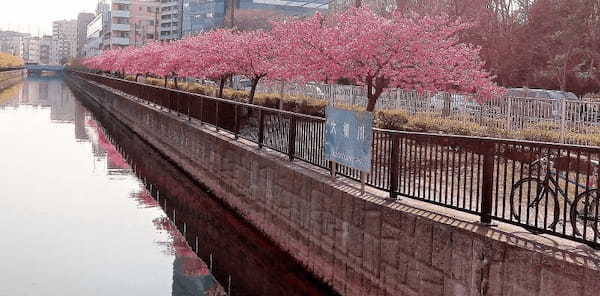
412	52
210	56
255	55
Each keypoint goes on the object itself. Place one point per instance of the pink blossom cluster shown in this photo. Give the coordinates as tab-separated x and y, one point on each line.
423	53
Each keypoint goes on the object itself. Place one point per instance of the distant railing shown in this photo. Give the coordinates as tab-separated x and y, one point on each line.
544	187
10	69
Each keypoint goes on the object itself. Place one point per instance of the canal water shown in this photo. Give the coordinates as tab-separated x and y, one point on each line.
88	208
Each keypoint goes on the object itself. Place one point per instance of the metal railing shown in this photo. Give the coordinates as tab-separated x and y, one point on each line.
544	187
517	114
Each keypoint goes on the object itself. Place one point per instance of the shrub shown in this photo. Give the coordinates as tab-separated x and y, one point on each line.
533	134
10	61
350	107
391	119
312	106
428	123
267	100
236	95
545	125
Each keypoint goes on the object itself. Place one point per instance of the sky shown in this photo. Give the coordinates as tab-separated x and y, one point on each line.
33	16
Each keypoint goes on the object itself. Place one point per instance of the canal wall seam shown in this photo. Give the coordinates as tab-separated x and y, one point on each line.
360	245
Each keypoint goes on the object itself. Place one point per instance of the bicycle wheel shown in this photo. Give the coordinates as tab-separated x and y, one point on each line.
585	214
534	204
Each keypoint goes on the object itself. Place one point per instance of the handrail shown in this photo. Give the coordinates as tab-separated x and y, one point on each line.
464	137
492	178
208	97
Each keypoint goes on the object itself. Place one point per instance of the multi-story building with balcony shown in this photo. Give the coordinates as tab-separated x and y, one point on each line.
144	21
31	50
49	50
65	33
12	42
115	32
170	19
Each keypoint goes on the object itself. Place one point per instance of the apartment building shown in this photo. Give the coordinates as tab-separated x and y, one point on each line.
65	34
31	50
115	32
12	42
49	50
171	12
83	20
144	21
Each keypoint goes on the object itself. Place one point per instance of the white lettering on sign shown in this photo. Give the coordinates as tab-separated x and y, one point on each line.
361	133
332	124
346	130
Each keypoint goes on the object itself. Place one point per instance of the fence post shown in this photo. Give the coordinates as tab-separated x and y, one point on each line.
563	115
237	123
447	102
292	138
201	111
189	106
217	115
394	162
488	183
509	114
261	125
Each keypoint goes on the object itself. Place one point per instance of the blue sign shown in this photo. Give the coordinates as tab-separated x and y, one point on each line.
348	138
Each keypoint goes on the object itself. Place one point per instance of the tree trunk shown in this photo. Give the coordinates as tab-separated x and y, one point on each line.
372	99
175	80
166	81
281	94
221	86
374	92
253	89
371	103
137	76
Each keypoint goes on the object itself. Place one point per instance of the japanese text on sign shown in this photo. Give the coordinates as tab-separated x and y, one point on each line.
348	138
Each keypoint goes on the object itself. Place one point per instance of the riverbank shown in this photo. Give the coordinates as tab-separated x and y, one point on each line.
10	78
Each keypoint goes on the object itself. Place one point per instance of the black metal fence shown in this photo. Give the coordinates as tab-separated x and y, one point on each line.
544	187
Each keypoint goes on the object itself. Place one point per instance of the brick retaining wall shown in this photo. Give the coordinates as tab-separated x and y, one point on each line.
360	245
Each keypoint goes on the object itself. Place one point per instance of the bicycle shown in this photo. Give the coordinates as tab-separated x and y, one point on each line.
584	207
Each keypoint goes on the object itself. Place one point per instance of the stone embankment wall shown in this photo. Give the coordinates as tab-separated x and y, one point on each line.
9	78
360	245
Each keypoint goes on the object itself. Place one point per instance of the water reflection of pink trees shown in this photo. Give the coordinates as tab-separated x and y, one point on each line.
178	247
114	158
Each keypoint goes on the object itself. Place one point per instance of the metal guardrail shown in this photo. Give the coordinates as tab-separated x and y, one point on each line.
544	187
517	114
11	69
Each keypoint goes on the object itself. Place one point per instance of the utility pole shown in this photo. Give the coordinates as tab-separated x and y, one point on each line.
156	24
231	13
181	21
134	34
